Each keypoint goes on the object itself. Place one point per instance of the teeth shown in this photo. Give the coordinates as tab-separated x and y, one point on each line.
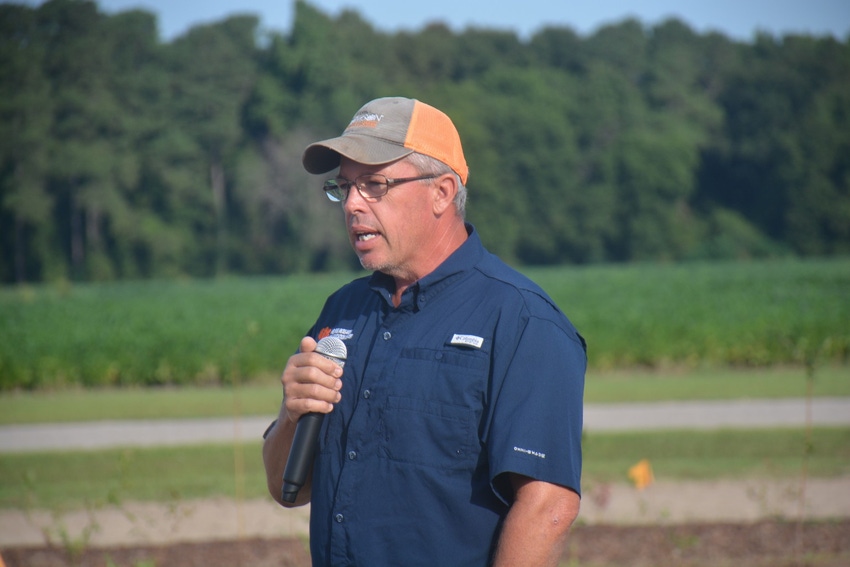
365	237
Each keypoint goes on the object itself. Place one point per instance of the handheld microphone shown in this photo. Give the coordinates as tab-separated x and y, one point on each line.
307	430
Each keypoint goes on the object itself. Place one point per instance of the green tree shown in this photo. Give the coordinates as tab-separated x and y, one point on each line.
213	69
123	156
623	46
560	48
88	152
25	205
778	164
818	215
608	108
656	180
522	158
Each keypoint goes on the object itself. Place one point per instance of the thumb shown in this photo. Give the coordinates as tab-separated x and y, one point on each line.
308	344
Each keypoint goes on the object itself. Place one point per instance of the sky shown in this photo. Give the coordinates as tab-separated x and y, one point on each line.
738	19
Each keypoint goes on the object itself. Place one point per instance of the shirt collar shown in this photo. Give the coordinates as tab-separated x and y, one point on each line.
461	260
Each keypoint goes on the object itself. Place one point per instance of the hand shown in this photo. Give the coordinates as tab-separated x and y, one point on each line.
311	382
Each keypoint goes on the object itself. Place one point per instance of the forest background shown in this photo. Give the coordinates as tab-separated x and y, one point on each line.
126	157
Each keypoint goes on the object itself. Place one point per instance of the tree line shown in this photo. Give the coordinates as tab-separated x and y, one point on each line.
123	156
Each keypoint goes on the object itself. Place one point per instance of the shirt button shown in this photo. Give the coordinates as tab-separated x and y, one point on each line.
352	455
339	518
367	394
387	335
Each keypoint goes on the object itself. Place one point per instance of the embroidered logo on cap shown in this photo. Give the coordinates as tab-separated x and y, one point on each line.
365	120
467	340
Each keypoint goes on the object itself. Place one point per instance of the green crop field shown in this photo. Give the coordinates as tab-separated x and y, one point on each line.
751	314
755	314
154	333
655	332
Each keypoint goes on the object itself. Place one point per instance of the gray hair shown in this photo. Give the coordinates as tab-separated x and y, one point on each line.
426	165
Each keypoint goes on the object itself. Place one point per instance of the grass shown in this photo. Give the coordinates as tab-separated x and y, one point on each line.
264	398
65	480
225	331
725	453
139	403
96	478
714	384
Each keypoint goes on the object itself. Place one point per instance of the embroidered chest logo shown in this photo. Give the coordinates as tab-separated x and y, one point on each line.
338	332
467	340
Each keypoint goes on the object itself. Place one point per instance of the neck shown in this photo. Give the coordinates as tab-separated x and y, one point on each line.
446	241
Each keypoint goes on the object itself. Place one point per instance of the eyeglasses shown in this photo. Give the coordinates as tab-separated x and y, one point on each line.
370	186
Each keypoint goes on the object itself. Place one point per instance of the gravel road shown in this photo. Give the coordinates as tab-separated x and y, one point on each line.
598	417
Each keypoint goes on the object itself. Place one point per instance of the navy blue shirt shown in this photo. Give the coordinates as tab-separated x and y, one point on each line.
474	375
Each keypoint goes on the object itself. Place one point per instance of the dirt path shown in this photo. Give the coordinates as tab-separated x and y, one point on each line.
662	503
763	544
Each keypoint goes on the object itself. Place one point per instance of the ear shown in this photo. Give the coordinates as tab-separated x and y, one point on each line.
444	191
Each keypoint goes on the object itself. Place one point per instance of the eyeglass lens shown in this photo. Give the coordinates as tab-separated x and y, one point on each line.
370	187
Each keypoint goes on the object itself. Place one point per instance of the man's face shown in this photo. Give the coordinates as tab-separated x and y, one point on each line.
391	233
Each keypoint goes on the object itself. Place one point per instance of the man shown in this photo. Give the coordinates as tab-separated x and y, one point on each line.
452	437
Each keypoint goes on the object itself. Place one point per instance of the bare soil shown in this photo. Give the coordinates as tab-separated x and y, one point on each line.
760	544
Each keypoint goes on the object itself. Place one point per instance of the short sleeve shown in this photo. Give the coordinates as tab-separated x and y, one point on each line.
536	414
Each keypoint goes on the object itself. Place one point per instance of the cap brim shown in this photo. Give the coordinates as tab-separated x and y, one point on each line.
321	157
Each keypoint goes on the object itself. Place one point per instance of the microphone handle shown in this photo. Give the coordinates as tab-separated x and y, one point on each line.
301	455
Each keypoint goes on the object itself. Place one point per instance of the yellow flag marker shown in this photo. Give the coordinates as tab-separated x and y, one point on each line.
641	474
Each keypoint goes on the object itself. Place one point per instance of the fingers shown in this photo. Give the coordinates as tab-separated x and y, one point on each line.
311	382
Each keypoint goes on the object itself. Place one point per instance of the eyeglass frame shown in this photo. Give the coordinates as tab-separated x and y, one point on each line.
390	182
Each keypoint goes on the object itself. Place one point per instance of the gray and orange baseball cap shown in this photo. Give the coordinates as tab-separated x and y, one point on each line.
387	129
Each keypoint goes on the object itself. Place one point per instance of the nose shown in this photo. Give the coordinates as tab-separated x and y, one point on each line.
354	201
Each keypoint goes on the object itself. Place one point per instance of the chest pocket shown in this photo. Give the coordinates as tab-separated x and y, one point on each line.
433	408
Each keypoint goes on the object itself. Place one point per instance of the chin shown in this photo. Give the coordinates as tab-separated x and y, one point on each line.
374	265
370	265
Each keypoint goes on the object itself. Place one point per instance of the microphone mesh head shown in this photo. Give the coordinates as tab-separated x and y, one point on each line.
332	347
